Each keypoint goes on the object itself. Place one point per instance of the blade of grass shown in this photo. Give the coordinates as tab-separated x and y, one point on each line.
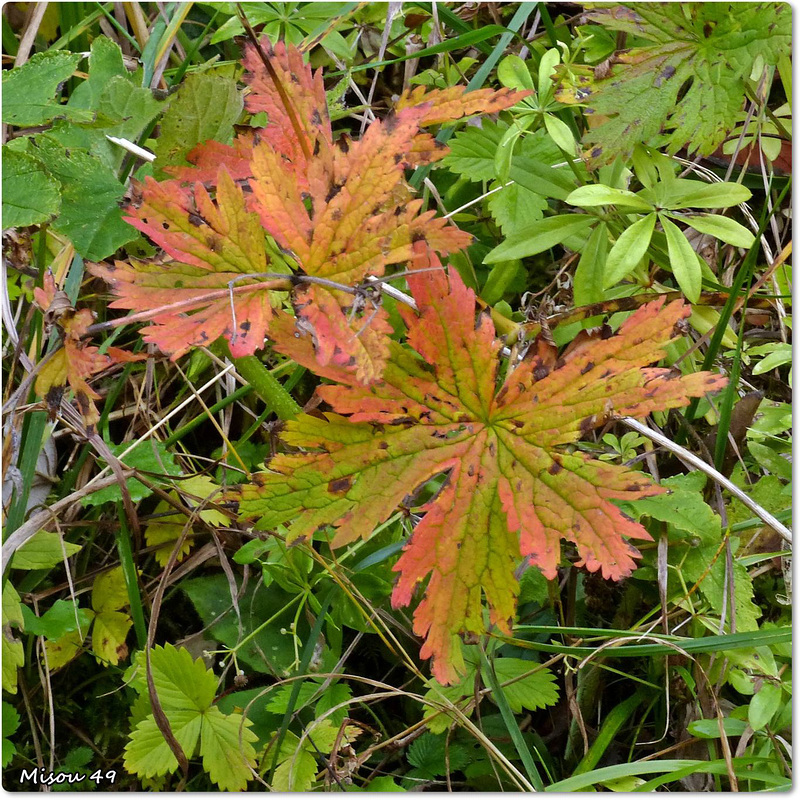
668	767
32	433
615	719
511	723
706	644
130	573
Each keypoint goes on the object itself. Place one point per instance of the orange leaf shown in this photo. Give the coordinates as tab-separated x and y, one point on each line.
514	488
446	105
339	216
76	360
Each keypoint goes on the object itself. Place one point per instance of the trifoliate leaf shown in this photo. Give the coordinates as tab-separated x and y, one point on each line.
226	744
147	752
297	767
180	682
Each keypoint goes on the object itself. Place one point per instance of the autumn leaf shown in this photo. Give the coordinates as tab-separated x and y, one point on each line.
76	360
514	487
690	81
330	220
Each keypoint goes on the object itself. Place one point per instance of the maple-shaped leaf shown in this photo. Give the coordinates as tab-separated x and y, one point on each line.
214	284
702	52
514	488
333	212
76	360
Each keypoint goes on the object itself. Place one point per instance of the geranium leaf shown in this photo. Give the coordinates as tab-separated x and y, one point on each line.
703	52
513	490
336	217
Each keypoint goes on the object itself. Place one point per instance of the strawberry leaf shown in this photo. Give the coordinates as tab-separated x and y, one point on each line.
514	489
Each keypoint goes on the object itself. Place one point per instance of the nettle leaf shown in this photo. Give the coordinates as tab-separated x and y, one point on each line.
514	489
702	52
30	193
29	91
336	217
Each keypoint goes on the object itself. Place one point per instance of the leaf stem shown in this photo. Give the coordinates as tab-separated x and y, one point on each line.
266	385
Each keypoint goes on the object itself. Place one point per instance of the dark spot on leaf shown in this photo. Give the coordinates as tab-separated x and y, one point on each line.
196	219
597	152
517	423
492	449
340	485
383	445
335	189
560	363
246	325
540	372
471	470
589	366
555	468
316	119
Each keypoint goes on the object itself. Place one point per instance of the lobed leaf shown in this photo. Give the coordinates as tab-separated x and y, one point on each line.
689	82
335	212
76	361
513	490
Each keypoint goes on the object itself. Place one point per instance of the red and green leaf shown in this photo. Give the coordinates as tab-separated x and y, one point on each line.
336	217
514	488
